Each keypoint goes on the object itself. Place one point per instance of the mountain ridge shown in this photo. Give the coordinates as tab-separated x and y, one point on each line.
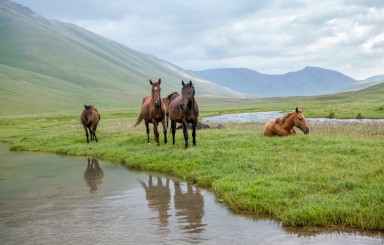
306	82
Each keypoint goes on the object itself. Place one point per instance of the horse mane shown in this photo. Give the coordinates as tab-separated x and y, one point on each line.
171	95
281	120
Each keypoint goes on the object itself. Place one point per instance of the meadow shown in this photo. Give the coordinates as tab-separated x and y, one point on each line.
333	177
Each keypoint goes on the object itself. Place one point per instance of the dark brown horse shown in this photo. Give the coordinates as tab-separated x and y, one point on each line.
153	111
184	109
283	126
90	117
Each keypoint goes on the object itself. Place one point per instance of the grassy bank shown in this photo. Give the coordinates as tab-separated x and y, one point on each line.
333	177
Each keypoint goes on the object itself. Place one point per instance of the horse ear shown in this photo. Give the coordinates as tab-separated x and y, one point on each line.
85	106
182	83
297	110
150	82
190	82
159	82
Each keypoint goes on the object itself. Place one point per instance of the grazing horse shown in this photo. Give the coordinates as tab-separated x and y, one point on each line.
184	109
153	111
283	126
90	117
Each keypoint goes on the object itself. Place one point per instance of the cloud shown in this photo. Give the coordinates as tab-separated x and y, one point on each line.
268	36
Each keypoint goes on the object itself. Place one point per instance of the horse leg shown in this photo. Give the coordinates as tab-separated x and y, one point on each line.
156	132
91	133
194	132
173	129
147	130
94	134
165	126
185	131
86	133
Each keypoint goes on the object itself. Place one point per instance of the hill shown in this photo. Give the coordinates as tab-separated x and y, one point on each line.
49	66
365	83
306	82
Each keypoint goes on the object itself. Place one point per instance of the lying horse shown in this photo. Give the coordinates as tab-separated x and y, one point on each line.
184	109
153	111
283	126
90	117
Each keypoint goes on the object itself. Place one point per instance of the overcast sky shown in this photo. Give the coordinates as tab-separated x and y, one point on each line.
269	36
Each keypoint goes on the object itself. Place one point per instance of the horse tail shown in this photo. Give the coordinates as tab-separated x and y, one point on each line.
139	119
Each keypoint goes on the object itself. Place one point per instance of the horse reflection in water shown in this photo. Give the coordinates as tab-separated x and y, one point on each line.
159	198
189	208
188	205
93	175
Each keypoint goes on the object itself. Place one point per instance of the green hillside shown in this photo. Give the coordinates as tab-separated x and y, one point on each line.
50	66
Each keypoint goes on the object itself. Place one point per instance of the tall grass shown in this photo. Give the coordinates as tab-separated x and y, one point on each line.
333	177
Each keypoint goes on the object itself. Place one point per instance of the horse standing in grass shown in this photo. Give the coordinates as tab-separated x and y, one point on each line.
184	109
283	126
90	117
153	111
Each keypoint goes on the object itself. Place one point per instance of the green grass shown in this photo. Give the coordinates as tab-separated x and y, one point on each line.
333	177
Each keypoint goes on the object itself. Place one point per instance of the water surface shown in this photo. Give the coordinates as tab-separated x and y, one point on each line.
51	199
263	117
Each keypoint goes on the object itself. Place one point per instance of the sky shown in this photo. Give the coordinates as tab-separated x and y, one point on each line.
268	36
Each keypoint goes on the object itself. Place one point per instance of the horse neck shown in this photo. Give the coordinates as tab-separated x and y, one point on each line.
287	122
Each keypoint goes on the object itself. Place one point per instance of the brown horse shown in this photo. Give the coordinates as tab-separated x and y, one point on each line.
166	102
184	109
153	111
90	117
283	126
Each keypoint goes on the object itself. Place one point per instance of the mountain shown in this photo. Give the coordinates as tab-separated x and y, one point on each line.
308	81
49	66
369	82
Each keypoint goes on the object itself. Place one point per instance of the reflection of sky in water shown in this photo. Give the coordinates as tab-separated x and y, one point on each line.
50	199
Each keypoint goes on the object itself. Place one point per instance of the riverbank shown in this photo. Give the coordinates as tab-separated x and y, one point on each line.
332	178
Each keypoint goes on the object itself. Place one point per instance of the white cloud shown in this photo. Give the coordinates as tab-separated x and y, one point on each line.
268	36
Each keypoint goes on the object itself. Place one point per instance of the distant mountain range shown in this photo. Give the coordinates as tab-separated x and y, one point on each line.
369	82
308	81
48	65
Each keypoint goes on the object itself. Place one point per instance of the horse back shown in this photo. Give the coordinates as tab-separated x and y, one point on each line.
269	127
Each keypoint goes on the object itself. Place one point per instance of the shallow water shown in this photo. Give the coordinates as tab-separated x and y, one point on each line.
50	199
263	117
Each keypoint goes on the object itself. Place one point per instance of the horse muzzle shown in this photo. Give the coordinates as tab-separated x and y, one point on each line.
182	106
306	130
157	103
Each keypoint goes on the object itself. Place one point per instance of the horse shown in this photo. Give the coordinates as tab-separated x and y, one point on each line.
166	102
283	126
184	109
90	117
153	111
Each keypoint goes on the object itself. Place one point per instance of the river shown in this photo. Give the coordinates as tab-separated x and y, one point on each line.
263	117
52	199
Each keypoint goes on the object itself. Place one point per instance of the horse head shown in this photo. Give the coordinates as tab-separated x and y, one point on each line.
187	94
156	98
88	114
300	121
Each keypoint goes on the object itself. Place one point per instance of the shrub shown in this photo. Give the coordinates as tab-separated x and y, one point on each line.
359	116
331	115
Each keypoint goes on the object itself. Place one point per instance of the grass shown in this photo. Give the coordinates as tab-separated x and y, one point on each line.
333	177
